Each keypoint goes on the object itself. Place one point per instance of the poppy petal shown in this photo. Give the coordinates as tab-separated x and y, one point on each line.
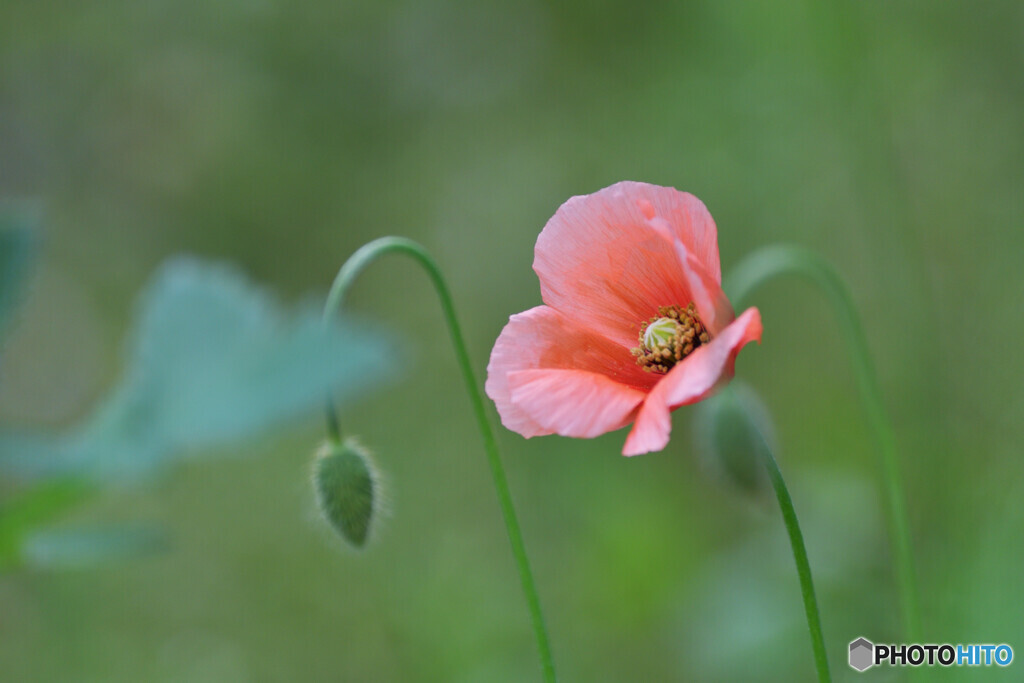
543	338
689	382
574	403
609	259
712	304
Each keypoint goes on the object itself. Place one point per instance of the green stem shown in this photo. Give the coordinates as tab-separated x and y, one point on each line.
771	262
346	276
803	567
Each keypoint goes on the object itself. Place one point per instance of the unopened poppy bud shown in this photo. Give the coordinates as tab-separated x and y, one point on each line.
730	430
347	489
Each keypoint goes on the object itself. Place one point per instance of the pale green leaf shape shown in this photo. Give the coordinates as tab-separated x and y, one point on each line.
18	247
211	360
91	547
27	509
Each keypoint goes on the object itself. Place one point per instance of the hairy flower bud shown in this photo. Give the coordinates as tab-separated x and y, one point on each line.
347	489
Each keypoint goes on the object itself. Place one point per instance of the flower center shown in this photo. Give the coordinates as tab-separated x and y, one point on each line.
669	338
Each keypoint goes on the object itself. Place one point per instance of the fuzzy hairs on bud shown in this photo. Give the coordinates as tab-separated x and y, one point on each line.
348	490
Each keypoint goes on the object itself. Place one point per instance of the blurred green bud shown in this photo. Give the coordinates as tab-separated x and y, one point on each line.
347	489
728	430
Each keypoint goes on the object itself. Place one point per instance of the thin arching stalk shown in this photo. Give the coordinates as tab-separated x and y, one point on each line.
771	262
346	276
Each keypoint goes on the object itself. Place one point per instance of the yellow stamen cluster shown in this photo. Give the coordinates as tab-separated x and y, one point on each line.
669	338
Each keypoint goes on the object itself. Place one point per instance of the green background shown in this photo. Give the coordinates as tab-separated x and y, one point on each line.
281	136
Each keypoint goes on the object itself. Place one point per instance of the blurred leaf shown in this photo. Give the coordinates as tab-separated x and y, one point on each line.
83	548
212	359
18	247
21	513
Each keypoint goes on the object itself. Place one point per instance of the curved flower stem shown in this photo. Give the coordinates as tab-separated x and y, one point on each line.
803	567
348	273
770	262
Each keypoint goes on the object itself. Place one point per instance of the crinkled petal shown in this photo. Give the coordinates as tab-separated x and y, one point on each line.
574	403
683	217
543	338
712	304
689	382
609	259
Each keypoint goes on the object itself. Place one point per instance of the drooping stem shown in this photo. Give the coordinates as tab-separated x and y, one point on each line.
803	567
333	426
771	262
346	276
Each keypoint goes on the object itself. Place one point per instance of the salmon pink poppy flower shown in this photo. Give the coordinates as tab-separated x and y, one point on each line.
635	322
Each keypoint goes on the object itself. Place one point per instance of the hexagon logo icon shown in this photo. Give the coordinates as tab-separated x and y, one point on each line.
862	654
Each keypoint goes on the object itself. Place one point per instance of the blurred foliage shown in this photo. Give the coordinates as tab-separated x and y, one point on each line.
80	548
211	360
281	136
23	512
17	251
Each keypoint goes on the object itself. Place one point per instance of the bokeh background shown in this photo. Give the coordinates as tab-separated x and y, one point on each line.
280	136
